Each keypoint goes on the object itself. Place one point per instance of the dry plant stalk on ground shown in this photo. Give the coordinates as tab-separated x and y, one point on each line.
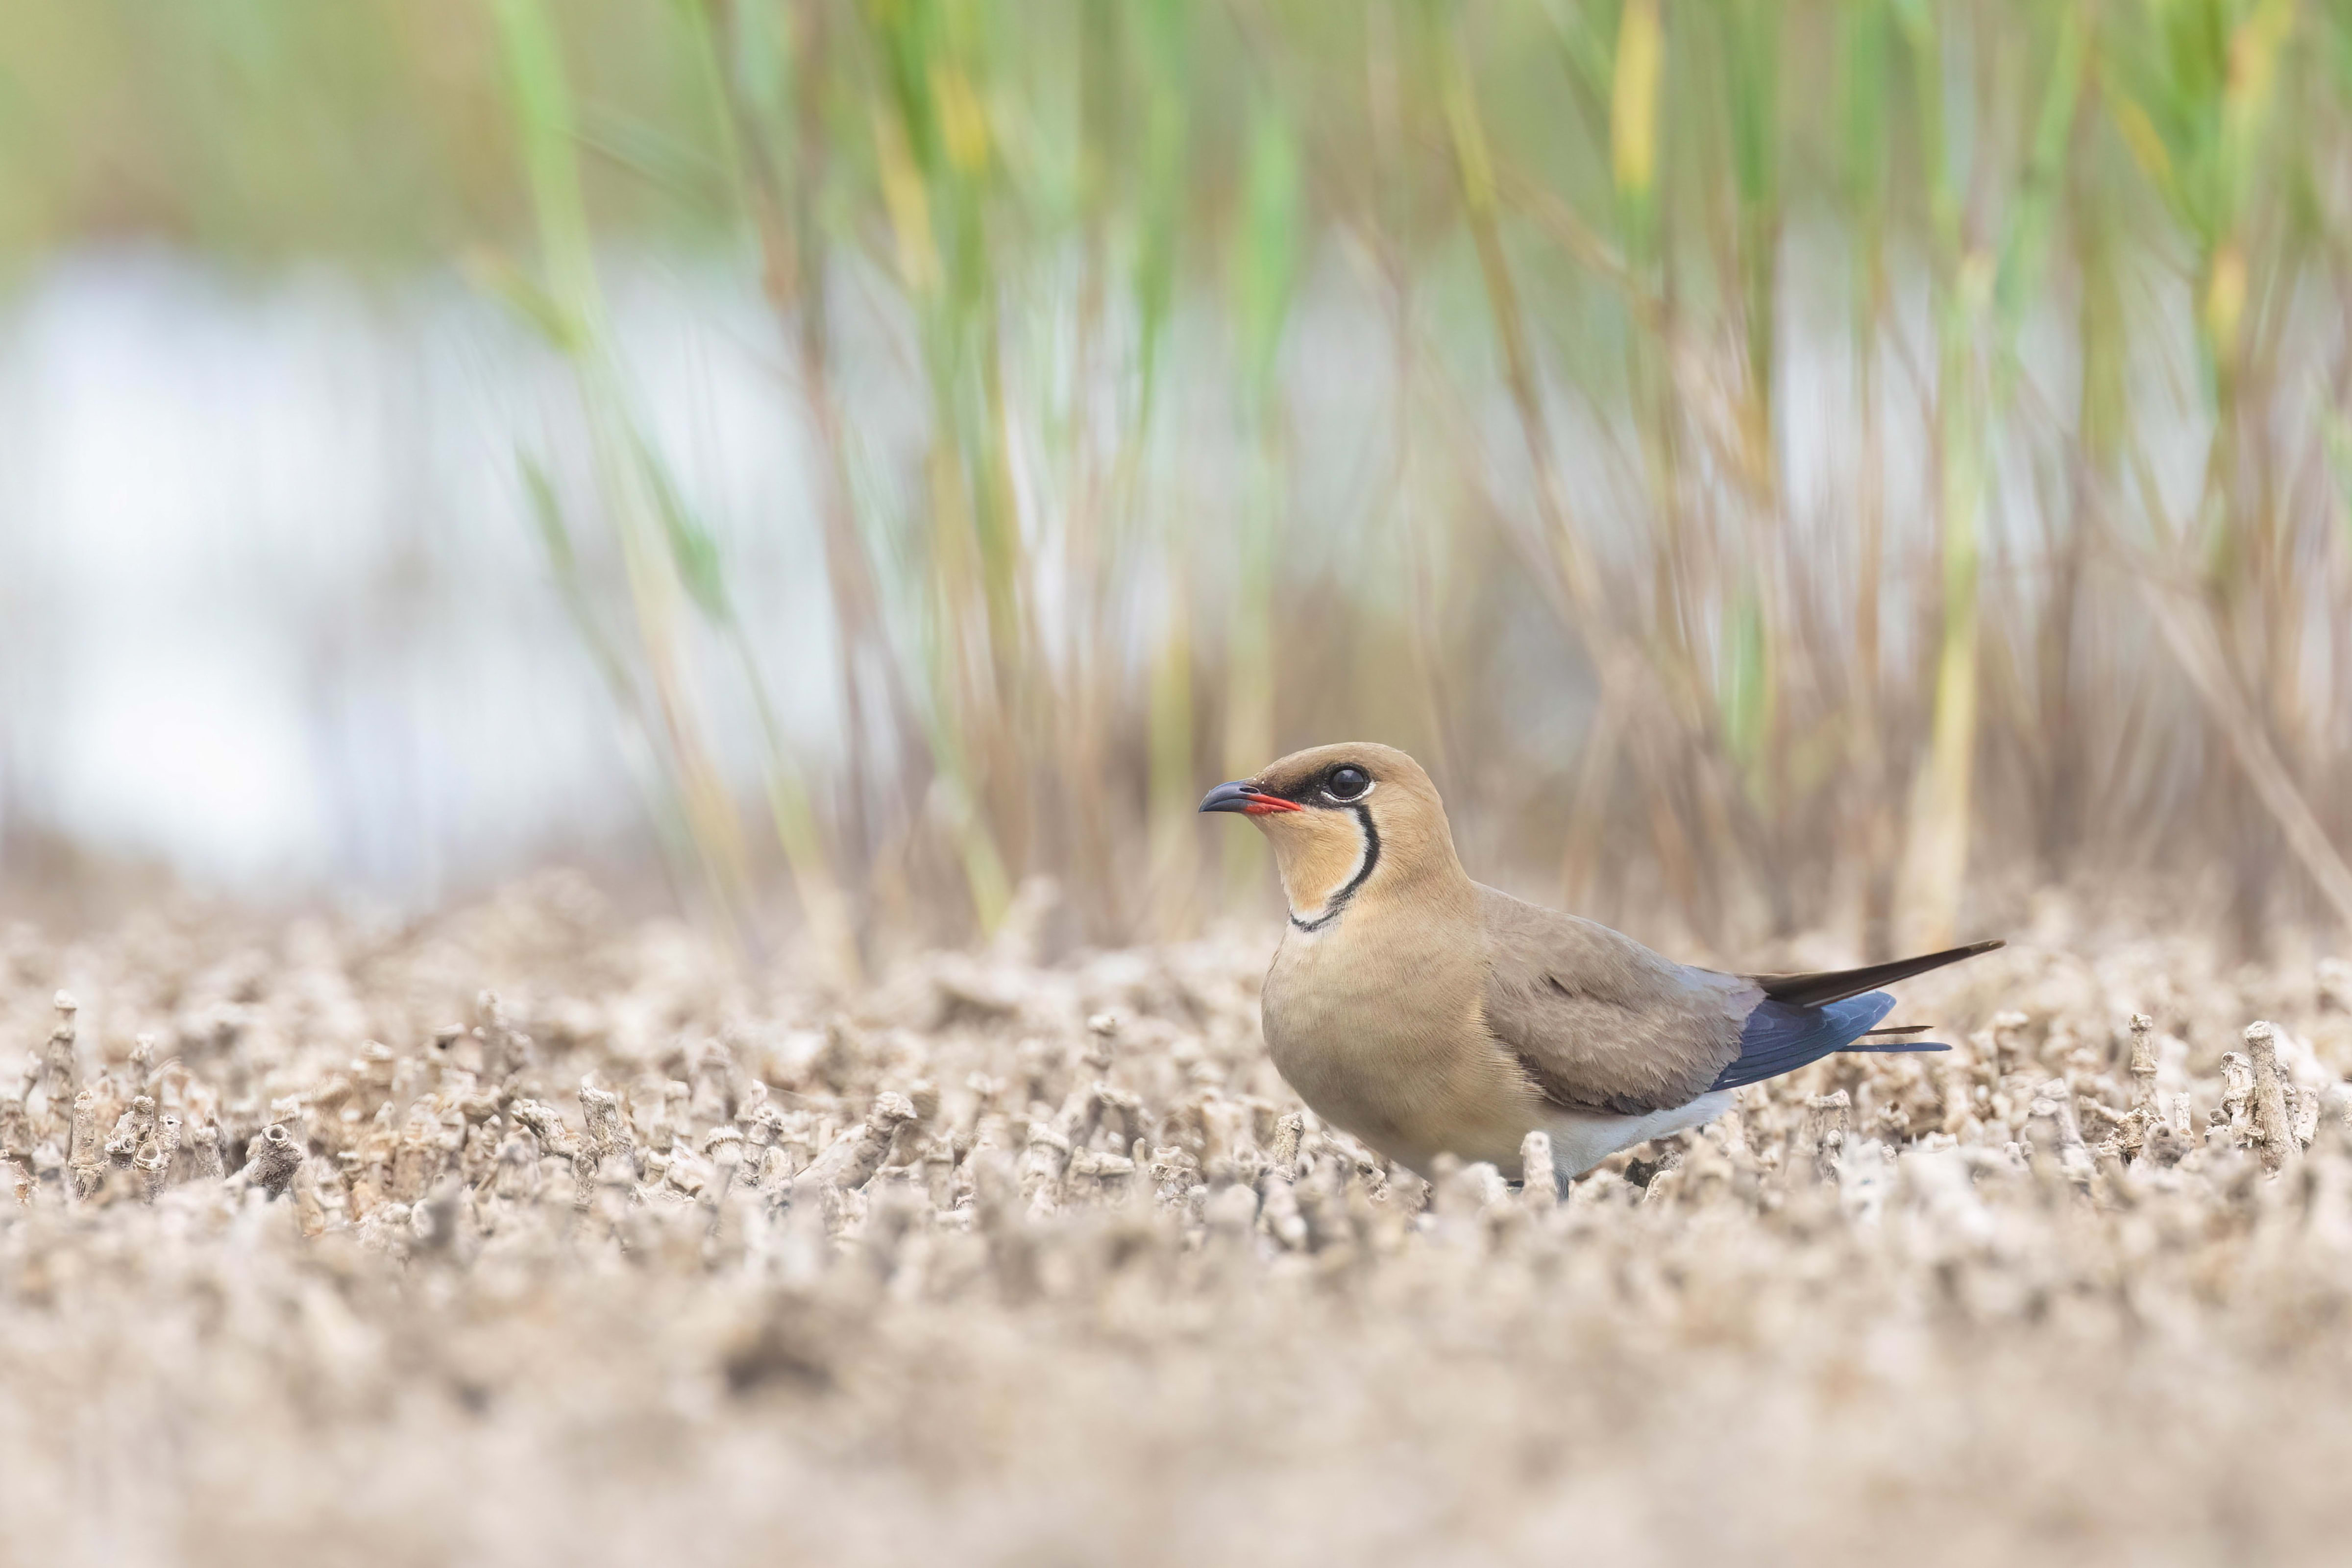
1004	1261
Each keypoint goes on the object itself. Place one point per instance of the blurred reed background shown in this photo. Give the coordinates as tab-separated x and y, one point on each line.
1780	463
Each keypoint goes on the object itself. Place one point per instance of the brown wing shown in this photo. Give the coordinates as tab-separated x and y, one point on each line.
1600	1022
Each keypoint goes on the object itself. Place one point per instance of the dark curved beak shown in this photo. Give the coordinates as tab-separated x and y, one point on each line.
1244	797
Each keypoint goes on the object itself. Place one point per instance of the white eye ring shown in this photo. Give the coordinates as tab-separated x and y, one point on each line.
1357	798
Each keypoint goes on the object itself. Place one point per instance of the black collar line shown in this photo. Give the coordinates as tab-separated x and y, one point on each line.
1337	904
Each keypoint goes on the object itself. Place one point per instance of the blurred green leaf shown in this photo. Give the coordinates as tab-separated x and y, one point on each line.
655	154
692	548
1745	684
1164	44
507	282
2025	235
546	516
1633	98
1865	60
1267	246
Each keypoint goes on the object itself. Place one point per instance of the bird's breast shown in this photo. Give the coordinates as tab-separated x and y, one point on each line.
1380	1028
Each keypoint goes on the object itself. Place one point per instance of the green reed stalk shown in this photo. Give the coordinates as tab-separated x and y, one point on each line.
573	308
1980	292
1264	272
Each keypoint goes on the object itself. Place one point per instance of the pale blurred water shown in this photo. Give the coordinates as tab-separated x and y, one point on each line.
271	609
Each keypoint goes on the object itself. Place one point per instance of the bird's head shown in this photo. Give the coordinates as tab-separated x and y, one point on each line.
1345	820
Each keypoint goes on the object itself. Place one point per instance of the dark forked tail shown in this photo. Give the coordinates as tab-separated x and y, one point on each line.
1829	986
1804	1018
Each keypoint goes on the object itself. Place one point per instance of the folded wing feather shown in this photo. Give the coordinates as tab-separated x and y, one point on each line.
1600	1022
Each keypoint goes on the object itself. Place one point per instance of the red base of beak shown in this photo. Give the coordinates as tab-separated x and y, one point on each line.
1247	799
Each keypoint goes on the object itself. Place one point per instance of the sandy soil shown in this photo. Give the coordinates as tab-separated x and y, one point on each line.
639	1261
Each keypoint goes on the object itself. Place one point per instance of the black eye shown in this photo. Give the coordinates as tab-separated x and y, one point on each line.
1347	783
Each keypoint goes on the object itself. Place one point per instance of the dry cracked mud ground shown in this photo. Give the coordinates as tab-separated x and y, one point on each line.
527	1235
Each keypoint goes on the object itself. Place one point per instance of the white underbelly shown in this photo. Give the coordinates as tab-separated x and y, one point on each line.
1581	1140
